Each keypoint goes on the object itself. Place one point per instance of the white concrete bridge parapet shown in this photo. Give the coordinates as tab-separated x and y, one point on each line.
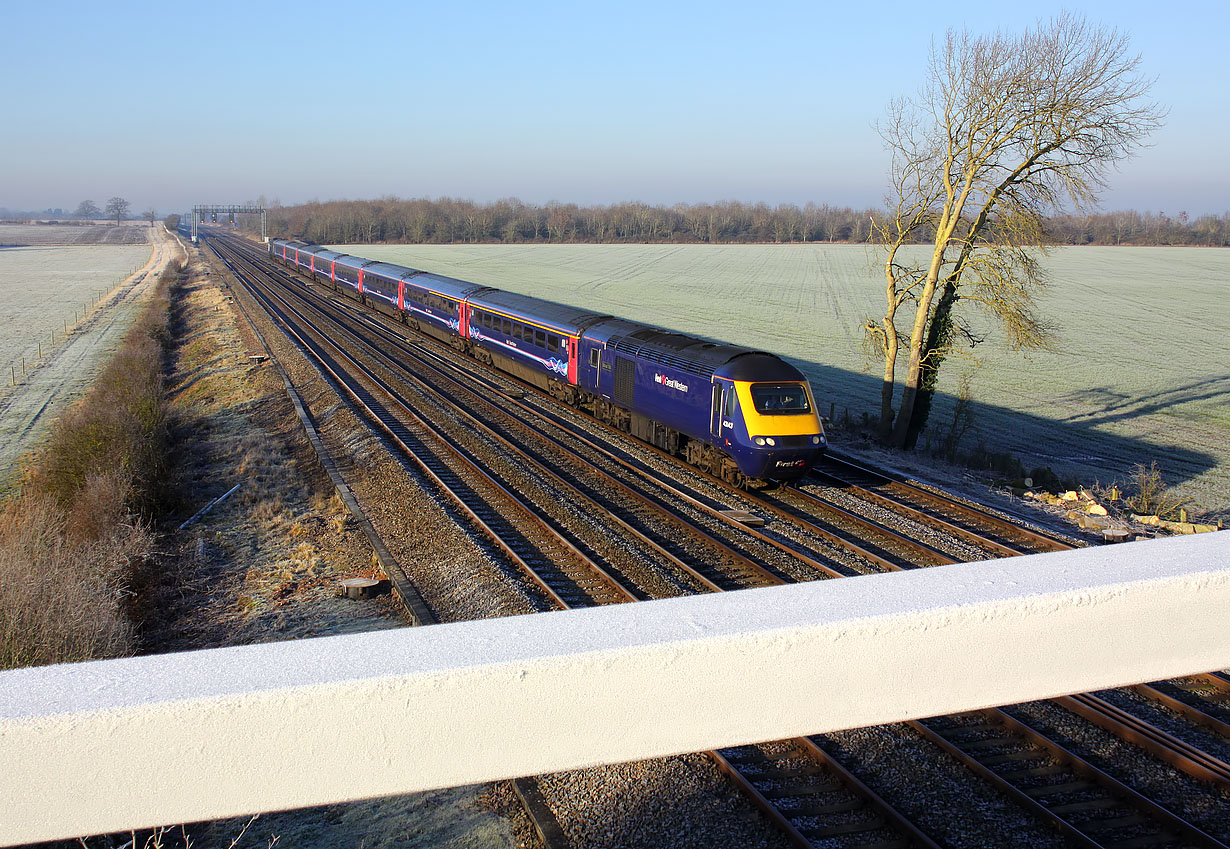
112	745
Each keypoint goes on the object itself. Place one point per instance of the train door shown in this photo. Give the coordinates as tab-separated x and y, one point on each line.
725	409
592	352
572	359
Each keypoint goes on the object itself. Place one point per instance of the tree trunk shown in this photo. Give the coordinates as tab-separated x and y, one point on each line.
890	378
922	314
939	336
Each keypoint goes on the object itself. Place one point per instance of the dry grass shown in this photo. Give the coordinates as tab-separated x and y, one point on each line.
72	542
63	596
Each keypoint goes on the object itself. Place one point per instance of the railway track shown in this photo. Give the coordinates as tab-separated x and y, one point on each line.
813	796
861	818
998	536
1086	804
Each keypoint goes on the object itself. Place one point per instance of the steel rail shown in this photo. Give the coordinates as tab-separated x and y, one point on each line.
555	585
1081	800
782	819
439	364
1190	712
976	516
964	534
1170	749
759	576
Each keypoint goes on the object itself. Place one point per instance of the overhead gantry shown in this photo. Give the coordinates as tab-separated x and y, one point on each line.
232	209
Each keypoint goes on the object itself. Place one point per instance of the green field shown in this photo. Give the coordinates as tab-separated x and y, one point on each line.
1139	373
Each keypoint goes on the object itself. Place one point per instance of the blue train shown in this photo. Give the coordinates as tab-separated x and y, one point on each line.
744	415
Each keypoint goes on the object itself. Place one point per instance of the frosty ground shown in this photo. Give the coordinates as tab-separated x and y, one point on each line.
63	311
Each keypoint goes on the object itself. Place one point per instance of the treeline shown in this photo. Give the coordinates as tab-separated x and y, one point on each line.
1148	228
449	220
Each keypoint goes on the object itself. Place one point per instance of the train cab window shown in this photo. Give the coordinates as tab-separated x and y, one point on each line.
780	399
731	407
593	357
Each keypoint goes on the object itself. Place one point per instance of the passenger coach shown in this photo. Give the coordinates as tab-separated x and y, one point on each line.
745	415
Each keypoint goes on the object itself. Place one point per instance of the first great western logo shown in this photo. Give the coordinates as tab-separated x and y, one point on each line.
670	382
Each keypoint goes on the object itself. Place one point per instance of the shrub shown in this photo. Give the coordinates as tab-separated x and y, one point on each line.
71	542
62	599
1150	494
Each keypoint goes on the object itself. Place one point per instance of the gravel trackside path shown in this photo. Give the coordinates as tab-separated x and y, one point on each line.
71	366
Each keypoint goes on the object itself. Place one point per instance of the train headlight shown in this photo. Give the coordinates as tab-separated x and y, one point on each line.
770	440
759	440
816	440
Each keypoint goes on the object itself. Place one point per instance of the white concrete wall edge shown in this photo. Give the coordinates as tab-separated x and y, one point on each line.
214	672
702	672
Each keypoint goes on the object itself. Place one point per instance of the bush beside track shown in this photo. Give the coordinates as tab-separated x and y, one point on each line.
73	540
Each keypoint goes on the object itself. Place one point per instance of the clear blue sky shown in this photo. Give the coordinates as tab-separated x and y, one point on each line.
173	103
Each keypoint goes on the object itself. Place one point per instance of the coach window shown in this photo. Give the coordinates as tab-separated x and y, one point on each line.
552	342
540	339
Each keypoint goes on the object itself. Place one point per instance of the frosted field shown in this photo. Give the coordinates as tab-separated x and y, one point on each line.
24	235
40	287
1140	372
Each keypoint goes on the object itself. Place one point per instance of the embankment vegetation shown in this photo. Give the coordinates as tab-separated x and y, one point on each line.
74	538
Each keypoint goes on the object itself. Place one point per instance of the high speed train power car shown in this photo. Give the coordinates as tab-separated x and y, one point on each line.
744	415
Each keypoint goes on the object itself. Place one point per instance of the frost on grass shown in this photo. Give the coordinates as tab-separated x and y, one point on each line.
1135	377
44	288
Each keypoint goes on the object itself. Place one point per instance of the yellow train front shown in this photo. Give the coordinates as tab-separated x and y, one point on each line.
767	422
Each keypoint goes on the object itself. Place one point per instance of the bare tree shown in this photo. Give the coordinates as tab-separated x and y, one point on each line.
150	215
87	209
117	208
1006	130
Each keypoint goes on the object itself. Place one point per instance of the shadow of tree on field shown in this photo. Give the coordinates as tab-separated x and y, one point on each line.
1077	446
1117	406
